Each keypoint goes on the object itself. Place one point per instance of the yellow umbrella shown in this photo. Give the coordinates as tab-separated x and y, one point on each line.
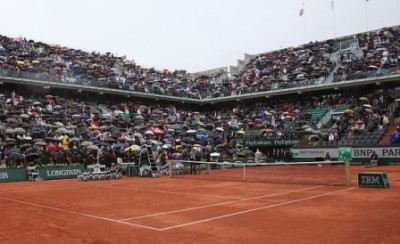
132	148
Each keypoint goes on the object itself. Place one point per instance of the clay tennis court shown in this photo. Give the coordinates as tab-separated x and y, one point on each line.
174	210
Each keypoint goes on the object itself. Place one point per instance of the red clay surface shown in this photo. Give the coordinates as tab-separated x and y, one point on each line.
164	210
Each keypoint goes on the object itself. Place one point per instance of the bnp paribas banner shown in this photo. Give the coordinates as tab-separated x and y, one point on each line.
365	152
314	152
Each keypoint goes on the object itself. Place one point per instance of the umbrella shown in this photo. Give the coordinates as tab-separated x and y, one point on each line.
158	131
137	134
176	155
51	147
191	131
149	132
19	130
100	144
37	104
32	156
363	99
74	139
359	122
156	142
25	145
92	147
367	106
220	129
268	130
215	154
12	121
119	145
15	155
168	136
139	117
86	143
313	138
110	140
186	139
368	110
132	148
40	143
24	116
201	137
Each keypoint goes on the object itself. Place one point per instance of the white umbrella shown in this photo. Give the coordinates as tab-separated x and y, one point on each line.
191	131
93	147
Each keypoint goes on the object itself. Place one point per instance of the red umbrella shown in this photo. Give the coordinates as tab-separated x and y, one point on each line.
359	122
34	113
51	147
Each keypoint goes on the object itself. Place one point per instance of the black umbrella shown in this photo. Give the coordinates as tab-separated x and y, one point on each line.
15	155
32	156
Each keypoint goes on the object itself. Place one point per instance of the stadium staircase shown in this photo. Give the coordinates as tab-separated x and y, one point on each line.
385	140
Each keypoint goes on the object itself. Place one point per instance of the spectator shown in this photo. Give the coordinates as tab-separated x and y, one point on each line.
327	157
258	156
385	122
374	159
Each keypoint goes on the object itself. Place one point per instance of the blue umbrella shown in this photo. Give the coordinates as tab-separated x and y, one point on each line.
201	137
168	136
119	145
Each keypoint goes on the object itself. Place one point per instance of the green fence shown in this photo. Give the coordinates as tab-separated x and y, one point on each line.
12	174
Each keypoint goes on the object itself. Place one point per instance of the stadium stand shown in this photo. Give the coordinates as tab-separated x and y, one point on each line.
36	125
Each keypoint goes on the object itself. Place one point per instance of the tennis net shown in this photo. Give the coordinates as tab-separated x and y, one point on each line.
320	173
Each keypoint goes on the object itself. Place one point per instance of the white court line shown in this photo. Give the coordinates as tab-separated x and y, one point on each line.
78	213
253	209
49	188
39	188
162	191
217	204
192	187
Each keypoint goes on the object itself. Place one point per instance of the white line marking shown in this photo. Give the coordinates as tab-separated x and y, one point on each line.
217	204
78	213
40	188
161	191
253	210
49	188
192	187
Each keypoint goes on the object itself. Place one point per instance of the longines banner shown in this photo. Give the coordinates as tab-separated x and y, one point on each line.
64	172
382	152
12	174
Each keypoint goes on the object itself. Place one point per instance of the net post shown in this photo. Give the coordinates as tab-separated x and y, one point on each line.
347	173
170	168
244	172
